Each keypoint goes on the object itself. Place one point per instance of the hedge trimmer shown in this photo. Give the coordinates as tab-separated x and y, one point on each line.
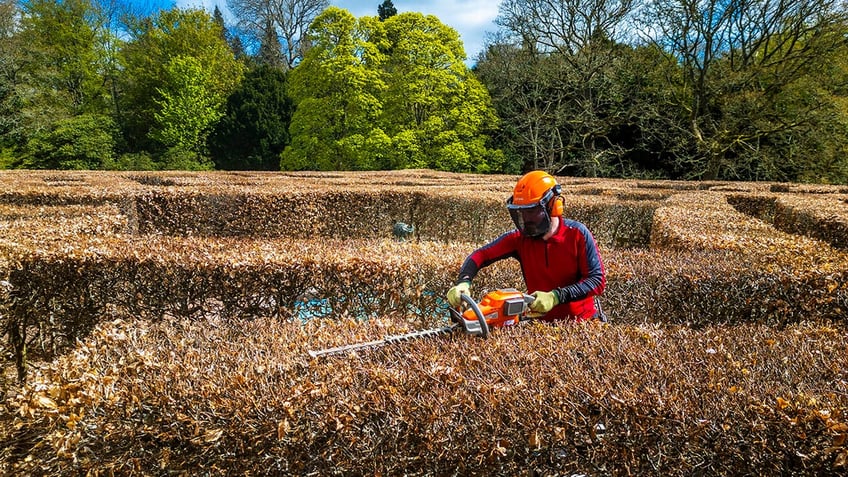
499	308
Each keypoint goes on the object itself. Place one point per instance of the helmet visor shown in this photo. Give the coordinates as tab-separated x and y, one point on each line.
532	220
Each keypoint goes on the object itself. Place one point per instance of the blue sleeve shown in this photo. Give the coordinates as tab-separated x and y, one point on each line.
591	266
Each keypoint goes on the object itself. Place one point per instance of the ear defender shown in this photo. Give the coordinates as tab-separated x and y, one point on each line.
559	205
559	202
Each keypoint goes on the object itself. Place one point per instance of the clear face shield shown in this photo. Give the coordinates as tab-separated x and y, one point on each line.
533	220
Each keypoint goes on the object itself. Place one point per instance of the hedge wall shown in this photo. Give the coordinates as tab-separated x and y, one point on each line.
163	319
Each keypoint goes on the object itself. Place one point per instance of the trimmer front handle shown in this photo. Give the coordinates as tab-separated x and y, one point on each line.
476	326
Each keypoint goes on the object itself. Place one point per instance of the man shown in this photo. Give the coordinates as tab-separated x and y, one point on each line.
559	258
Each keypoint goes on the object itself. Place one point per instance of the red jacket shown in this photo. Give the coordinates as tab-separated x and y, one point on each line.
568	263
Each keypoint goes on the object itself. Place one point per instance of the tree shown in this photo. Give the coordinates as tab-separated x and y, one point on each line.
391	94
336	89
254	129
522	87
178	74
434	108
85	141
566	26
10	64
61	48
270	50
287	20
386	9
741	57
234	41
62	79
218	18
559	94
189	106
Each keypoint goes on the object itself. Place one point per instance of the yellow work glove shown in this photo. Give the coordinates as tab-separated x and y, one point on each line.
544	302
455	291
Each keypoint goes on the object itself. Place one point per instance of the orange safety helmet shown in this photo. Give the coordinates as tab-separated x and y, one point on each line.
532	188
535	199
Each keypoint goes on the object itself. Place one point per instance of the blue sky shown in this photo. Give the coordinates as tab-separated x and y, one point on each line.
472	19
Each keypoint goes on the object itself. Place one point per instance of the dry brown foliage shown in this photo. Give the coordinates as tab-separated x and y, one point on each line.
160	318
235	397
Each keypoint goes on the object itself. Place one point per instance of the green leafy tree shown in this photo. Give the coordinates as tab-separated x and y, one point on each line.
254	129
337	90
218	18
10	61
85	141
801	127
189	106
386	95
62	71
63	60
433	99
178	74
234	41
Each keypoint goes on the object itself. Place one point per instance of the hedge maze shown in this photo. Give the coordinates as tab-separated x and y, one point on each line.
158	323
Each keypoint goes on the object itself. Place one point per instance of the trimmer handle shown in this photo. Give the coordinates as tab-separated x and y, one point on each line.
529	315
477	327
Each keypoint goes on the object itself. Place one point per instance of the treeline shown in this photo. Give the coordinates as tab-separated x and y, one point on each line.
692	89
706	89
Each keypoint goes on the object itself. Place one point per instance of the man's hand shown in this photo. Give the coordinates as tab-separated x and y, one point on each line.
454	292
544	302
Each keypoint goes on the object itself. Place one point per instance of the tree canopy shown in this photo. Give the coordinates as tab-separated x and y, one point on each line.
387	94
672	88
681	89
179	72
255	127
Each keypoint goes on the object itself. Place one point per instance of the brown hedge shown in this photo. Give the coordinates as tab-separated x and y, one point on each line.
59	293
187	263
821	217
205	244
242	397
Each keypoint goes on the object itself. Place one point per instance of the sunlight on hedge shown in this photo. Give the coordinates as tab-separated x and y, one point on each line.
159	323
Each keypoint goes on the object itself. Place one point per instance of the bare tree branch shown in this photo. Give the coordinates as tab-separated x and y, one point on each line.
289	19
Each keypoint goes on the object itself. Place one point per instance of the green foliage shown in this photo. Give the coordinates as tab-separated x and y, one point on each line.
179	158
188	106
8	159
80	142
53	91
10	59
132	162
10	108
386	9
388	95
433	97
696	97
177	66
254	129
702	100
337	89
63	54
740	82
